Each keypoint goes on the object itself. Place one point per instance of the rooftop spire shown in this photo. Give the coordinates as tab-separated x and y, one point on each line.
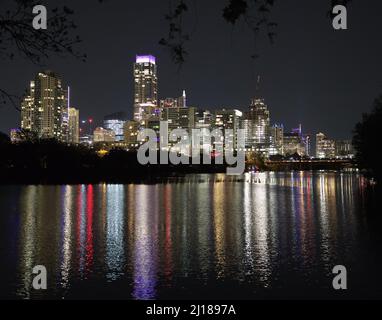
257	87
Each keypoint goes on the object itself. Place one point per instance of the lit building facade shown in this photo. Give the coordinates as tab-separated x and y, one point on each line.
29	112
325	148
42	110
293	144
15	135
277	140
145	88
116	123
256	125
180	102
73	126
203	119
131	129
344	149
103	135
228	119
179	118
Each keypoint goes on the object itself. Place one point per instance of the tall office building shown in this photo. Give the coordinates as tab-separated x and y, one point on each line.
73	126
277	140
256	123
43	108
145	88
228	120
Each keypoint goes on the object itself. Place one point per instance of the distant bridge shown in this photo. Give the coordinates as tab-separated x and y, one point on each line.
310	164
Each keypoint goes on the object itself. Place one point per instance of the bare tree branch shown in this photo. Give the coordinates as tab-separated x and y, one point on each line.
255	13
14	100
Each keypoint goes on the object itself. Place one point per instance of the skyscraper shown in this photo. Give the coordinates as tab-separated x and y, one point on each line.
228	120
73	125
256	124
277	139
29	112
145	88
42	109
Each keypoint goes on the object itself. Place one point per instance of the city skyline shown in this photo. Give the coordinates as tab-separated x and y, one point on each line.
154	101
46	110
220	72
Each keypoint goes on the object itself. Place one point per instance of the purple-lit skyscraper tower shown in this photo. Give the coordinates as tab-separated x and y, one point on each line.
145	88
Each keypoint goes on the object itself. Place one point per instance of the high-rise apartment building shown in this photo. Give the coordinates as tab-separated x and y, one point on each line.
43	108
29	112
73	126
145	88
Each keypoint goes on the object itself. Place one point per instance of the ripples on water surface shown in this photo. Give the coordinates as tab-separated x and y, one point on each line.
274	235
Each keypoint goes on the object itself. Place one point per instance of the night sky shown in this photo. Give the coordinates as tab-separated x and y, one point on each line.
313	75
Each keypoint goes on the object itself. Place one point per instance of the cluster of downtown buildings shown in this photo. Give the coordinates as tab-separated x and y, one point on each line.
47	111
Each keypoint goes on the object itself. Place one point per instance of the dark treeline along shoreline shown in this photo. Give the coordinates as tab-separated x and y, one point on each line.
39	161
52	162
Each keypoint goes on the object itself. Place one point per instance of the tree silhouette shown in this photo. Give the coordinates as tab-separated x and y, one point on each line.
367	140
19	38
255	13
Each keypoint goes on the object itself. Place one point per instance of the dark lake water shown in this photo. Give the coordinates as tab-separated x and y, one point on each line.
258	236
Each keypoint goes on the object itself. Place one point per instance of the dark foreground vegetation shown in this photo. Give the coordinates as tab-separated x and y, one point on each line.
367	142
52	162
